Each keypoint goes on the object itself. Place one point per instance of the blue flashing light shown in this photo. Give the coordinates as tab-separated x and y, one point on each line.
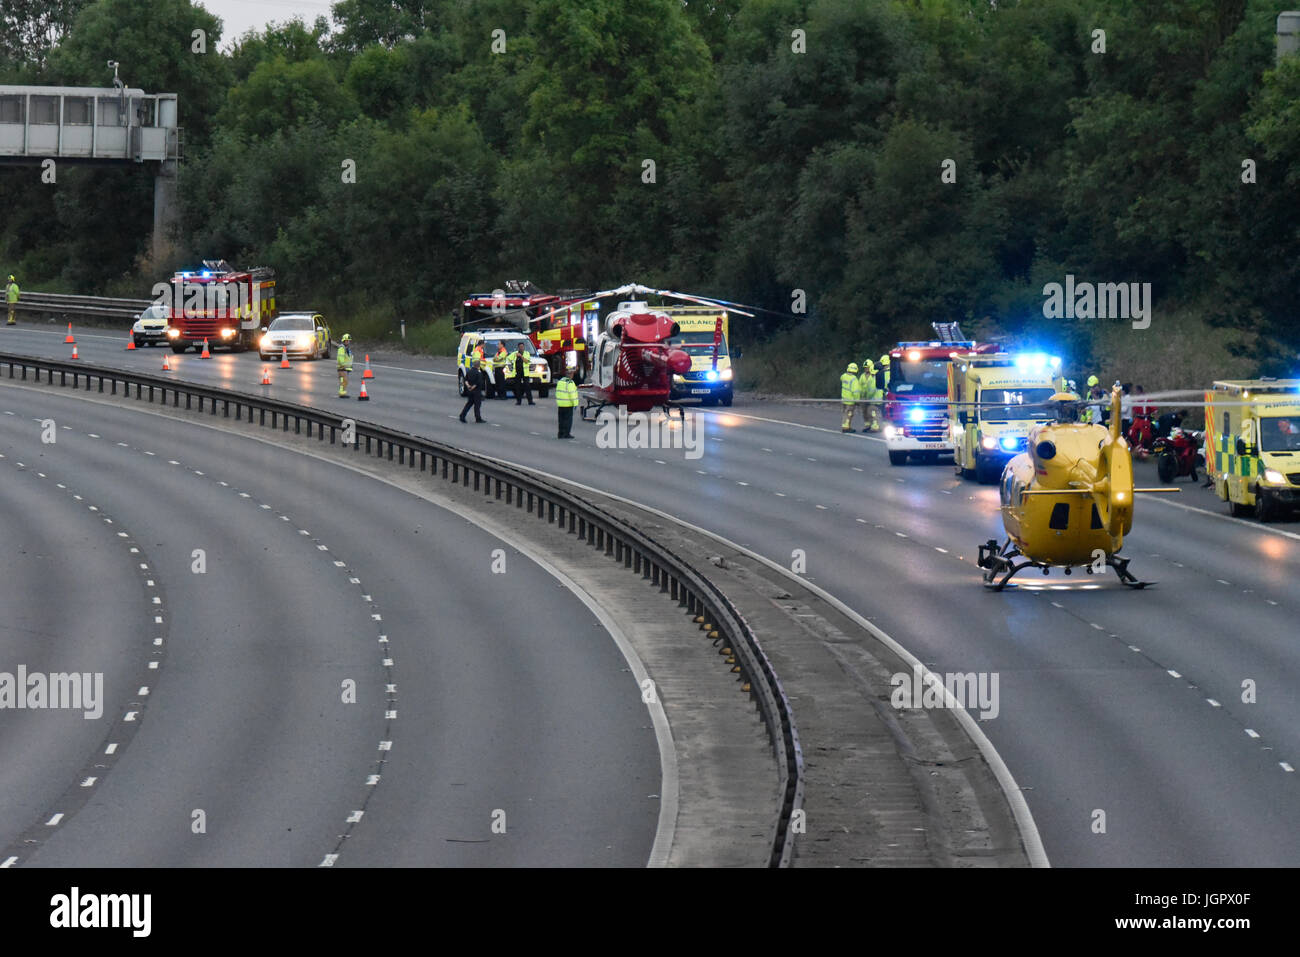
1037	362
206	273
916	415
1009	443
711	375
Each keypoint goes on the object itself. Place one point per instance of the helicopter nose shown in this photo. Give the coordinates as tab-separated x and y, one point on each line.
679	362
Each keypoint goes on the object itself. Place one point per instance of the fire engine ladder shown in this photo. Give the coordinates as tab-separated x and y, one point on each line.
948	331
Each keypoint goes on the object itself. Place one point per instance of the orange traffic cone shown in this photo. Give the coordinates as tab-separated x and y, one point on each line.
130	343
74	352
362	397
367	374
284	358
206	354
69	339
166	367
266	376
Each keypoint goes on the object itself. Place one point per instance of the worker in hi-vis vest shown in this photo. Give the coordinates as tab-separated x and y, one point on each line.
850	391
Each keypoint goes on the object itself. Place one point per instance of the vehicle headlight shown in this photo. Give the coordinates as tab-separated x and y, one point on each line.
173	333
261	342
726	375
227	333
678	378
890	432
304	339
1274	477
988	442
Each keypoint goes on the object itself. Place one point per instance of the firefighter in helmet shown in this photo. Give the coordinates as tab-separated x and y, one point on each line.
870	394
850	391
11	296
344	357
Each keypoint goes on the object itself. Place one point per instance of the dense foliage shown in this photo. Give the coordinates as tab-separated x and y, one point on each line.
796	145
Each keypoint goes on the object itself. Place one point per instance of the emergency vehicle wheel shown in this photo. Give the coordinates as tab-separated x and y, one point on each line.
986	474
460	383
1265	508
178	348
1166	467
1238	510
726	400
897	458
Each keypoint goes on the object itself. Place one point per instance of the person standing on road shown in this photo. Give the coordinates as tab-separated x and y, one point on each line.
849	394
344	357
11	296
500	365
523	386
869	394
566	400
475	379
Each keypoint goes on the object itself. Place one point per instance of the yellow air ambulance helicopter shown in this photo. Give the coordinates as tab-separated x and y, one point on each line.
1067	500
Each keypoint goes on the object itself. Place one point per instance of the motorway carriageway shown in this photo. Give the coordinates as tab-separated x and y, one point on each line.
223	690
1122	702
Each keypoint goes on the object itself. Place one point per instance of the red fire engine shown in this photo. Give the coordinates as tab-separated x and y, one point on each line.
916	399
221	305
563	339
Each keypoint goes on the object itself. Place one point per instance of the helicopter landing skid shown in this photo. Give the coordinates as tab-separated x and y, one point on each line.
591	410
999	560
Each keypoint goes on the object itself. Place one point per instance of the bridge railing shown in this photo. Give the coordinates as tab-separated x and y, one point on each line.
606	534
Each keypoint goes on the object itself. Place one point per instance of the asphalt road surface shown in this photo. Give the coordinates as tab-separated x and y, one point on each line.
225	739
1146	728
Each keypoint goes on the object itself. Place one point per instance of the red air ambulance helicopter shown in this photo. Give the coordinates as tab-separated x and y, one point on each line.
633	361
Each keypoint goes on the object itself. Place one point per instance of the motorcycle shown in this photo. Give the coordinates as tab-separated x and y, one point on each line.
1177	455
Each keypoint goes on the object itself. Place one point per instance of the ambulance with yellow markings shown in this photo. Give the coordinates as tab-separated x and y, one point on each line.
994	401
704	338
1252	445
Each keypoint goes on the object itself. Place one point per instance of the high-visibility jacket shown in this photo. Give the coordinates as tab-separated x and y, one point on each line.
345	358
566	393
521	364
849	390
11	294
501	358
867	385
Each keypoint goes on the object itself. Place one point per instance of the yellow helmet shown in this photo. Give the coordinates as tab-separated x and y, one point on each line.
884	360
868	365
853	367
1092	381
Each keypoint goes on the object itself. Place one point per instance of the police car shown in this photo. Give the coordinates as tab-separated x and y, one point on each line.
150	326
296	334
539	371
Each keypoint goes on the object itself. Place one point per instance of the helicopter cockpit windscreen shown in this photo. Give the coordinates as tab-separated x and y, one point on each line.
923	377
1000	405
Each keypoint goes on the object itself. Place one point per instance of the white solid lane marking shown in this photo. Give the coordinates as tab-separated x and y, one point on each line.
385	745
1252	732
54	821
1286	767
111	748
1173	674
9	862
1213	703
89	782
